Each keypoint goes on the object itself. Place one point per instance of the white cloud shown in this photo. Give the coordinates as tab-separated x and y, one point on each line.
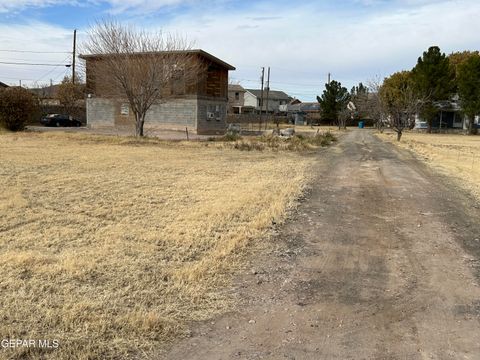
39	37
303	43
143	6
16	5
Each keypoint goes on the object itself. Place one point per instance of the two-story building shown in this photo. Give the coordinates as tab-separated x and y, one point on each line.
236	100
198	102
273	103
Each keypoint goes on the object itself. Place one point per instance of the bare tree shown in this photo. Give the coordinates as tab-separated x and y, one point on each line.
400	101
343	116
69	93
145	68
374	105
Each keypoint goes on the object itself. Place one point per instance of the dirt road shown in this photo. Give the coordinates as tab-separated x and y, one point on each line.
380	262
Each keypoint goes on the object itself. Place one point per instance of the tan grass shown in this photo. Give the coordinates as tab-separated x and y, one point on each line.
457	156
112	245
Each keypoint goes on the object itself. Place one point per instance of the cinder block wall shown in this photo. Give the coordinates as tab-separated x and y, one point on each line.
218	124
100	112
174	114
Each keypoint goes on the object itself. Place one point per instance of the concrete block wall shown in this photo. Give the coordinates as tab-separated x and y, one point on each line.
216	125
174	113
100	112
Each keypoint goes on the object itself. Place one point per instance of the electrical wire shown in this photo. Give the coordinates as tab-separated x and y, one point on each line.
36	52
46	61
50	71
33	64
279	82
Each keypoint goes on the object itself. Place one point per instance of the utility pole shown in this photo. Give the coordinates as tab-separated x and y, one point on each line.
268	91
329	76
74	54
261	98
20	81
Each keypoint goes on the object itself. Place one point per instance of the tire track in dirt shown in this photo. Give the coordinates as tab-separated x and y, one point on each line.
373	266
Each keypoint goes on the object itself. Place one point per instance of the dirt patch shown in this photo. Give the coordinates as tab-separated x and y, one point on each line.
370	267
454	155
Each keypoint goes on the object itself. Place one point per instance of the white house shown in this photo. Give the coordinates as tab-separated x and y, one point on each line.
276	99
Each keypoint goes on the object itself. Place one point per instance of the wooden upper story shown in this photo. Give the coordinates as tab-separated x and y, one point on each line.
207	75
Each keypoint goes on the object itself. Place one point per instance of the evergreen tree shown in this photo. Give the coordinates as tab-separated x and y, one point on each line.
458	58
334	100
469	88
360	97
434	80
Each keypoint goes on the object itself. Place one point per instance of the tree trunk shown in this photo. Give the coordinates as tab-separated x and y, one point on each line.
471	122
399	135
142	123
139	122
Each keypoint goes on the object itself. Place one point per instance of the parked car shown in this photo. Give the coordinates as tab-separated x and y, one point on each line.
59	120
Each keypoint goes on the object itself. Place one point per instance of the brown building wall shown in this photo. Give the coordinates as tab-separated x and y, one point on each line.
198	102
209	80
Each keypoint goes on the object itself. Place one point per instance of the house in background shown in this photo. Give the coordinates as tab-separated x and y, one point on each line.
236	100
3	85
198	104
302	113
48	95
450	116
276	100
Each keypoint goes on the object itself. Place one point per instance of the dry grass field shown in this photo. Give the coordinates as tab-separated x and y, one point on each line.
112	246
457	156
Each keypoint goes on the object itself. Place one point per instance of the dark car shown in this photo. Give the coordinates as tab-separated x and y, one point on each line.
60	120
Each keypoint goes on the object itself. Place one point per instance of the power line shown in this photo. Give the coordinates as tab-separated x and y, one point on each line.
36	52
15	78
50	71
61	76
281	83
33	64
46	61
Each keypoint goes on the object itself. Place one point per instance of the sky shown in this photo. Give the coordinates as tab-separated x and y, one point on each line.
301	41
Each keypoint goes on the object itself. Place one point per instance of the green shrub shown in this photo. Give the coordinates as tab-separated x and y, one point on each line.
17	106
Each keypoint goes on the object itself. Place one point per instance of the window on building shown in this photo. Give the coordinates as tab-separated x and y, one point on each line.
125	109
237	96
177	83
214	112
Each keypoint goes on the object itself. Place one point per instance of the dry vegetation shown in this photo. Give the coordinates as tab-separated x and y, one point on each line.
298	142
112	245
457	156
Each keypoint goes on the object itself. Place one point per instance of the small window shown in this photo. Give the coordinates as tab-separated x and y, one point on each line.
124	109
214	112
237	96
